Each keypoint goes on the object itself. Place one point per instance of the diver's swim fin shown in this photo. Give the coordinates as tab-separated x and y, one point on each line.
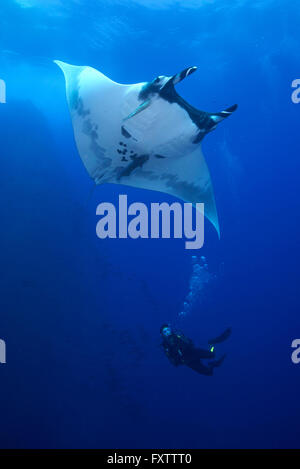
216	363
221	338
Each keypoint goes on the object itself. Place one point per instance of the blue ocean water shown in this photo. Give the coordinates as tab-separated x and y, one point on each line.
81	316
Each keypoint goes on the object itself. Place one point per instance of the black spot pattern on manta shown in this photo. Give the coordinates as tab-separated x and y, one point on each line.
122	150
125	133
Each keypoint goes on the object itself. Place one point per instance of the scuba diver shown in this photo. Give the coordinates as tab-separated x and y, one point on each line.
180	350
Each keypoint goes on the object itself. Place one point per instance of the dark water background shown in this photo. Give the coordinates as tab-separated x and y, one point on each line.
81	316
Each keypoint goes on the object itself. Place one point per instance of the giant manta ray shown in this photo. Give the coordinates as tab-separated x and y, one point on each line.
142	135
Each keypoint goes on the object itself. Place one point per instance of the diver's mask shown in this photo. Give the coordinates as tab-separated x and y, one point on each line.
166	332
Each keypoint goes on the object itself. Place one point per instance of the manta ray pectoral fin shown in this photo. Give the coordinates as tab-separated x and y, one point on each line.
139	109
186	178
219	116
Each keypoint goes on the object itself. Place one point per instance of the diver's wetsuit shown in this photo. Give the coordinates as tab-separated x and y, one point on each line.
181	351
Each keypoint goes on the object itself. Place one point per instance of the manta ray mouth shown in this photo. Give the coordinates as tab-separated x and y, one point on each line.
202	119
169	92
205	121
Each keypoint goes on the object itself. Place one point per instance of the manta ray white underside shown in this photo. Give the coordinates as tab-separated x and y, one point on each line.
142	135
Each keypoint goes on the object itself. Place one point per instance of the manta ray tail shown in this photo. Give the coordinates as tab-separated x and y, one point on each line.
219	116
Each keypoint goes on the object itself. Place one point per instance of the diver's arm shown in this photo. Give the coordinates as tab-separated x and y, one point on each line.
172	358
182	339
175	360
